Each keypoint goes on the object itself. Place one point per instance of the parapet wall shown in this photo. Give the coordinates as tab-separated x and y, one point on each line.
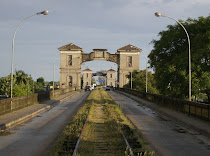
24	101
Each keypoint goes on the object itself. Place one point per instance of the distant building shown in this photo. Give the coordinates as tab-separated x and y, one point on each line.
87	77
110	78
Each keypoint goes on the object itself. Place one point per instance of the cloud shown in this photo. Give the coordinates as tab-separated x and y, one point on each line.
90	24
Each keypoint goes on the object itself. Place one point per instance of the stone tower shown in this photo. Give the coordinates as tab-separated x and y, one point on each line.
70	66
87	77
128	60
110	78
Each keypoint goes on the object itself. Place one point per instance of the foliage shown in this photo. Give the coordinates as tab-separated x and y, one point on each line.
41	81
139	81
5	85
23	84
21	89
39	85
93	81
169	58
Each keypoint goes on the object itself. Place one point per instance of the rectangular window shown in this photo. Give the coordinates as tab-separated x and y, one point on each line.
70	60
87	75
70	80
129	61
110	75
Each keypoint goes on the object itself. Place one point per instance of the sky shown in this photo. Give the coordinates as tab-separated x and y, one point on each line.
89	24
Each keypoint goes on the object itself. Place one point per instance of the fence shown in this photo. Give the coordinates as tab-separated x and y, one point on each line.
192	108
17	103
24	101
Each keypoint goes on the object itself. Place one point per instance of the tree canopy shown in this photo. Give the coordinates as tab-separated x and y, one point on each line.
169	58
23	84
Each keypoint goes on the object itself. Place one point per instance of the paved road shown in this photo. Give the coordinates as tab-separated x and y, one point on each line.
37	136
166	137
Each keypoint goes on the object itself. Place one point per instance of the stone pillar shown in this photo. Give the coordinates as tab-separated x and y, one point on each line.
87	77
70	66
110	80
128	60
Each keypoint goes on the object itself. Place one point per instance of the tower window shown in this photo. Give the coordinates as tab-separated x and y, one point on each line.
110	75
70	60
129	61
70	80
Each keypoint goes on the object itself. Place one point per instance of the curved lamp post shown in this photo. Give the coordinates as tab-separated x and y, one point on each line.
45	12
158	15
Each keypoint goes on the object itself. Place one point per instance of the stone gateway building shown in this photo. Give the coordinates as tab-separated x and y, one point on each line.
72	57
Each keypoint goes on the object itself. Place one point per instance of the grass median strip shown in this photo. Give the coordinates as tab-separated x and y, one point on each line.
102	134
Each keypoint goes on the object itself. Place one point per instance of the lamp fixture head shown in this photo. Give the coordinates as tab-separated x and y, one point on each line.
45	12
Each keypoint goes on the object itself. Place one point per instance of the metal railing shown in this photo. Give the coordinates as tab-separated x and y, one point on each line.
197	109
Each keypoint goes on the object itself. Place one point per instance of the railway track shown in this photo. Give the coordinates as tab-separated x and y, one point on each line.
99	128
101	135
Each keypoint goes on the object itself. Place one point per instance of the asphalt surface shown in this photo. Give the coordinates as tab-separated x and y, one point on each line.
35	137
165	136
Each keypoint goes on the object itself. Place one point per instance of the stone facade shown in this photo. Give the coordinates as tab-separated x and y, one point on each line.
70	66
128	60
110	78
72	56
87	77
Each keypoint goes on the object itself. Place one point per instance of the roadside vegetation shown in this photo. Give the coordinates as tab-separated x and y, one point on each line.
70	135
103	131
169	61
23	84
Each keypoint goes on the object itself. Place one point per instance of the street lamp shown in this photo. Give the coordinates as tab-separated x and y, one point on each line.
158	15
45	12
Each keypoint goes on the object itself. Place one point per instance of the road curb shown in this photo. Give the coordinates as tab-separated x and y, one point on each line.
20	120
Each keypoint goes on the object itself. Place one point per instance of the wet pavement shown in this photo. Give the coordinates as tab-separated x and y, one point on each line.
35	137
165	136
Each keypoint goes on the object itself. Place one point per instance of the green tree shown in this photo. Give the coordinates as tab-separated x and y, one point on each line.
169	58
41	81
139	81
39	85
93	81
5	85
22	84
21	89
21	77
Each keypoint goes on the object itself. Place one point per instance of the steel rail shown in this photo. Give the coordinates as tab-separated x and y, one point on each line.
121	132
126	141
78	141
